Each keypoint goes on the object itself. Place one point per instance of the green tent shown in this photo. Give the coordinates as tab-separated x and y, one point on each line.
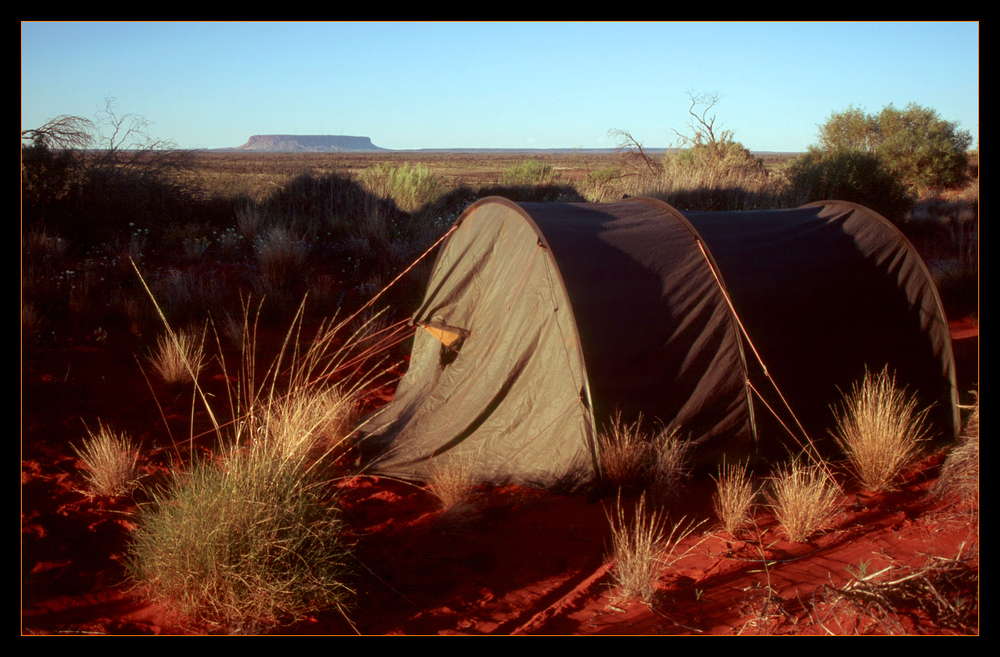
542	320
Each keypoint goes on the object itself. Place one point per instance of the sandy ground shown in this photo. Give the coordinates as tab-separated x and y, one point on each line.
512	561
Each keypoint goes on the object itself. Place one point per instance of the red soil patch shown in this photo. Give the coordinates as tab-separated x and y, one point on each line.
514	561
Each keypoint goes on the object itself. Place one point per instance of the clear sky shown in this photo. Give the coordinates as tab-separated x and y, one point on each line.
494	85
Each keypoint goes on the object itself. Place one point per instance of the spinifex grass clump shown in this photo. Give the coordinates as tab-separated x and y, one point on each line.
642	547
110	461
803	498
632	457
960	472
734	496
452	481
880	429
251	539
179	357
527	172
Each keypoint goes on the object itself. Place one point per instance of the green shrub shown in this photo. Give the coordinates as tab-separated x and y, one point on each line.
248	541
527	172
254	537
410	186
848	175
917	145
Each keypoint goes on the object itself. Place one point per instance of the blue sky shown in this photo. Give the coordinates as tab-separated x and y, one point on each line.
494	85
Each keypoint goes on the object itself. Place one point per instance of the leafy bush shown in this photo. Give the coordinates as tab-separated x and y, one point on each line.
848	175
879	428
914	143
722	156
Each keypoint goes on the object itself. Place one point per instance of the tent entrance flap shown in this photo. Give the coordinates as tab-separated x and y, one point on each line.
448	336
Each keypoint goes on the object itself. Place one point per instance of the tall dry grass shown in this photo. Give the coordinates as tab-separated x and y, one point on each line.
960	473
643	543
110	459
179	356
880	427
254	537
734	496
632	457
803	498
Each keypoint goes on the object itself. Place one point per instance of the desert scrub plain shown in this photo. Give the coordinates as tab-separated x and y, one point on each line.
199	334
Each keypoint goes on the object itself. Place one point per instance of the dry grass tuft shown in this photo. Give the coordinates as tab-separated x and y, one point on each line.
308	421
960	473
630	457
671	463
179	356
256	538
624	452
452	482
642	547
111	462
734	496
803	498
880	430
246	543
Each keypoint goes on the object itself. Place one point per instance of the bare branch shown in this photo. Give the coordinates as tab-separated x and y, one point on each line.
629	146
63	132
702	125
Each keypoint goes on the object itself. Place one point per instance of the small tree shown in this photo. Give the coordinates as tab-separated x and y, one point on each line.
915	144
708	147
851	130
923	148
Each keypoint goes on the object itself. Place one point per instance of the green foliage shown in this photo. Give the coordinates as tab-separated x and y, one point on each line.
848	175
851	129
247	541
411	186
914	143
527	172
723	155
924	149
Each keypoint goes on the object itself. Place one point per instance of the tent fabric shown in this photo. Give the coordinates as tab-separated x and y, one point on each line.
542	320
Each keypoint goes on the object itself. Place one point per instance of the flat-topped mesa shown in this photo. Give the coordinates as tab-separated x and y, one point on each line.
309	143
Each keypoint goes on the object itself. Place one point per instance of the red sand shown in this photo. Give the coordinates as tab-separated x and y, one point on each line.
515	561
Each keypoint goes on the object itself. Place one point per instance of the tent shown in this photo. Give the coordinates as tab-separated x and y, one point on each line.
542	320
